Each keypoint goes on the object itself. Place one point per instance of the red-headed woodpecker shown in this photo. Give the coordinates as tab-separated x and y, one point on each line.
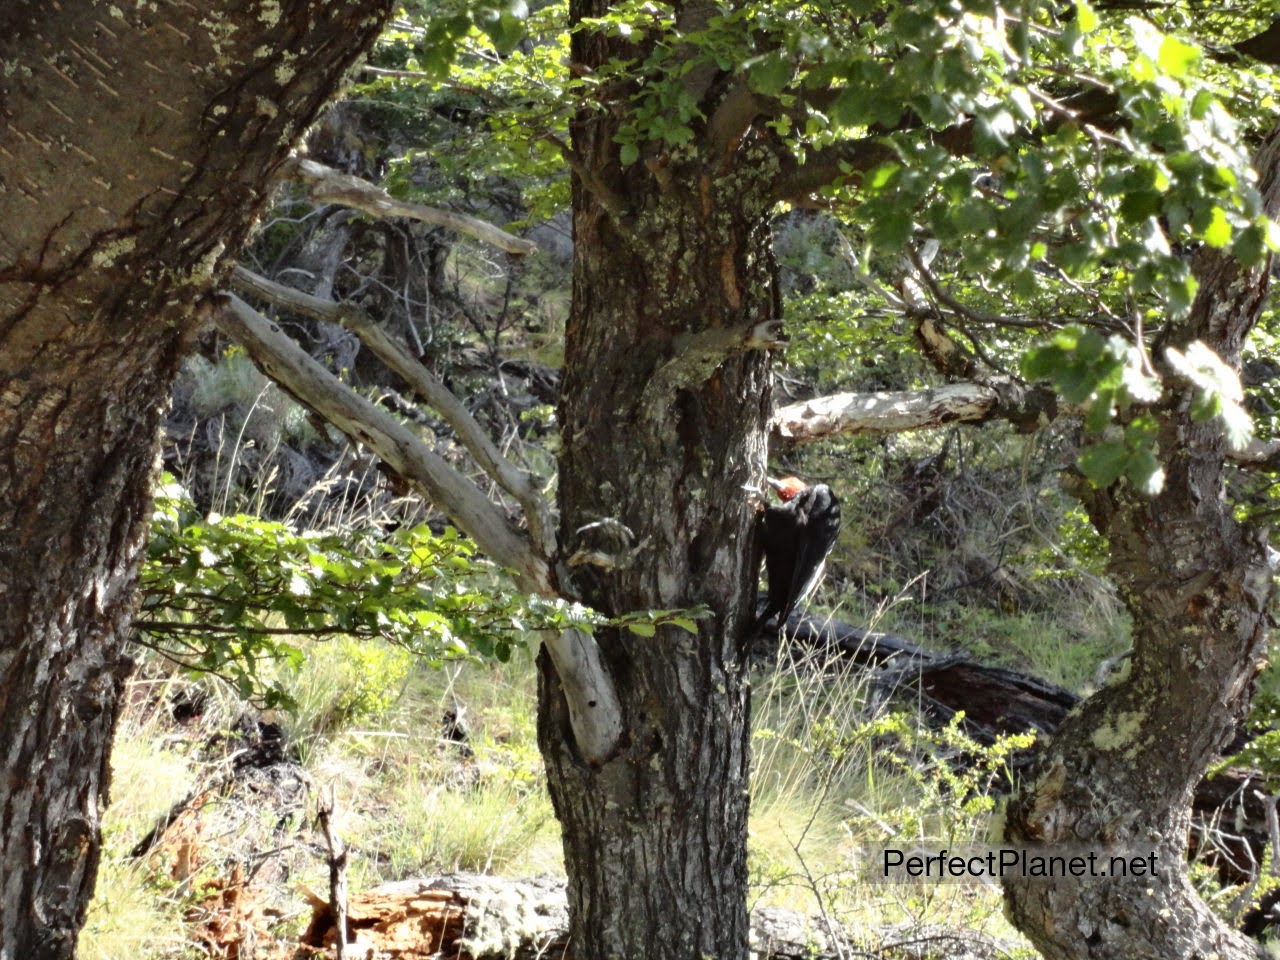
796	537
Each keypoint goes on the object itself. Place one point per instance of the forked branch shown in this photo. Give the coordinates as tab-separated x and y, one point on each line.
519	483
595	712
466	505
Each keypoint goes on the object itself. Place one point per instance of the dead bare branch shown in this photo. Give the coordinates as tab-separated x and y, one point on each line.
395	355
901	411
314	386
597	720
332	186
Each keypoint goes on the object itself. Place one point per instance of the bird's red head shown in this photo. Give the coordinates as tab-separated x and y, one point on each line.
788	487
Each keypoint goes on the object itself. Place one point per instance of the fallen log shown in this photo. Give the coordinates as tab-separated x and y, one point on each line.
466	916
995	701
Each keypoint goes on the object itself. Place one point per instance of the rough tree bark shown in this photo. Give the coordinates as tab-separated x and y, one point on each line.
1121	770
663	419
136	145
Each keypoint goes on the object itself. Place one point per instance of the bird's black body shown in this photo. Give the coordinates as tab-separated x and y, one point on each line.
795	538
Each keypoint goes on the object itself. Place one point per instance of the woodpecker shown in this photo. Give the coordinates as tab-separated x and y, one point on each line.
796	537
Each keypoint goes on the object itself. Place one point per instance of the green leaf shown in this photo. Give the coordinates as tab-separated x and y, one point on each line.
1099	415
1218	232
880	176
1104	463
1086	17
770	74
642	629
1143	470
1177	57
1237	425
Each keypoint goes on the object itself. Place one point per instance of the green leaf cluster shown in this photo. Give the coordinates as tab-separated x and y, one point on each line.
435	31
224	594
1104	375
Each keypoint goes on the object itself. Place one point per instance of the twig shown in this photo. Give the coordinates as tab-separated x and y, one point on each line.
337	871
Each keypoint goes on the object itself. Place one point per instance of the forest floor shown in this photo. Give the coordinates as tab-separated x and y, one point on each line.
213	848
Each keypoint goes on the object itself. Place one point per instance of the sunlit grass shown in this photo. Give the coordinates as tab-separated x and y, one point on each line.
131	919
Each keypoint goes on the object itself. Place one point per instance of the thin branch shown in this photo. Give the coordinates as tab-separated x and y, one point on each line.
472	435
973	315
295	370
399	74
325	814
332	186
204	628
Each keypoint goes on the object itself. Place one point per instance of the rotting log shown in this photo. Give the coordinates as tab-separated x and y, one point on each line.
466	916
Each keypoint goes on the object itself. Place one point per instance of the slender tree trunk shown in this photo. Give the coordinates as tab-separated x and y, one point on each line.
1120	772
136	145
663	421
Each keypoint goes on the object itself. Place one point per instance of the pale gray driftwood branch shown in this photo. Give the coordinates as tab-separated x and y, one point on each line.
333	186
896	412
1029	407
519	483
295	370
595	711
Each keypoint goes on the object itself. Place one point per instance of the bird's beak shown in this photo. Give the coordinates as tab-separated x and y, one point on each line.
776	484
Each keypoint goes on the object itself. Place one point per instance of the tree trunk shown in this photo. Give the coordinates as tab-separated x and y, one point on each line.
1120	772
663	421
135	148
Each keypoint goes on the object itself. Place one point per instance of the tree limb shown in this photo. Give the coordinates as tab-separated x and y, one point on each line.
901	411
472	435
1098	108
732	118
697	356
595	711
291	367
332	186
